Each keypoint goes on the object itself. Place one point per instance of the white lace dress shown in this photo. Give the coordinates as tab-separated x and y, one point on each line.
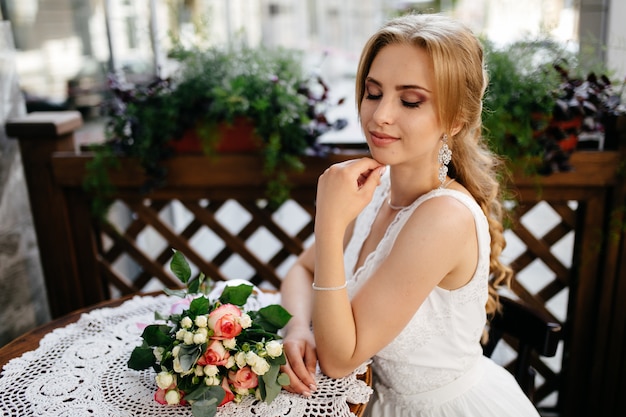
435	367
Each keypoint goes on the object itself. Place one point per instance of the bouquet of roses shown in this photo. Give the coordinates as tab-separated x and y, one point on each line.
213	352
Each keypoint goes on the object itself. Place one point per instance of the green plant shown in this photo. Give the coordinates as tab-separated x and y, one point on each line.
211	86
520	95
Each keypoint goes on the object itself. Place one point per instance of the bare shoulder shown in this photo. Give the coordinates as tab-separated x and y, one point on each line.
445	211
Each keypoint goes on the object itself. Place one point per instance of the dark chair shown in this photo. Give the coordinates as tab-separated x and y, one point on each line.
533	331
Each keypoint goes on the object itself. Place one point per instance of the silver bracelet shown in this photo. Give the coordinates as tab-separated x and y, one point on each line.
340	287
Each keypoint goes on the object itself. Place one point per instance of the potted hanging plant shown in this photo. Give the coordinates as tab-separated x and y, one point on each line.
214	93
538	103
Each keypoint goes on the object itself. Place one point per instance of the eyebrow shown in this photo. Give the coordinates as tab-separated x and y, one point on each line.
400	87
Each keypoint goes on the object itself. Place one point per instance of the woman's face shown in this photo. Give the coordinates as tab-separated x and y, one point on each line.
398	110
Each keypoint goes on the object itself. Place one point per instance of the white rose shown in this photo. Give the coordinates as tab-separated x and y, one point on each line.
211	370
186	323
240	359
177	367
164	380
242	391
175	351
180	334
172	397
199	371
201	321
245	321
158	353
188	340
252	358
261	366
212	380
230	343
199	338
230	362
274	348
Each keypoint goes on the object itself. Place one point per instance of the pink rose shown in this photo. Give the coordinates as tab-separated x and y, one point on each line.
229	394
224	321
216	354
159	396
243	378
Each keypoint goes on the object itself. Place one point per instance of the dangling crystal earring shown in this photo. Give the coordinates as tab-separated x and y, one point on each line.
445	155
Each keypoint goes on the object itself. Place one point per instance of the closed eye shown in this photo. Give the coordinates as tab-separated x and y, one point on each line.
411	104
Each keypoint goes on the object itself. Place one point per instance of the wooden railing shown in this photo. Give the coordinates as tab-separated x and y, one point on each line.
85	261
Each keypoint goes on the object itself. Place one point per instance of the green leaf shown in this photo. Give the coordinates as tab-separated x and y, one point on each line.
188	355
180	267
199	306
270	380
141	358
204	400
283	379
178	293
204	408
193	286
237	295
157	335
275	315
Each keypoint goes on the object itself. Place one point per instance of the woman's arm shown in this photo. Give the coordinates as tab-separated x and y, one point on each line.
436	246
299	343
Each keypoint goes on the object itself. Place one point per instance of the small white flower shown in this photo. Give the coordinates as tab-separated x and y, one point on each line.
260	367
230	362
201	321
175	351
164	380
172	397
177	367
199	371
245	321
199	338
257	394
252	358
211	370
180	334
274	348
213	380
230	343
241	391
203	331
158	353
186	323
240	359
188	338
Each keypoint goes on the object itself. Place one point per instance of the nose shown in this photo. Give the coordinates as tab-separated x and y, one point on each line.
384	112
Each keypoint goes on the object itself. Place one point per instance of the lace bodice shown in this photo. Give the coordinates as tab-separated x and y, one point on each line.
442	340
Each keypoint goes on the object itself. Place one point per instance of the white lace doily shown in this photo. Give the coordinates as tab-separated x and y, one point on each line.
80	370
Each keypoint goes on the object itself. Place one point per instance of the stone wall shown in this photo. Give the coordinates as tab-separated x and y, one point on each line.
23	303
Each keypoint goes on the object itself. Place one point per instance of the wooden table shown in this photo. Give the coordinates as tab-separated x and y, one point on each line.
30	340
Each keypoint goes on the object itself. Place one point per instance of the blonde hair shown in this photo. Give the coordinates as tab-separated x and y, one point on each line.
461	80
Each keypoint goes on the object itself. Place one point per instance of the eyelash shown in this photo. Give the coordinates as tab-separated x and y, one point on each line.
407	104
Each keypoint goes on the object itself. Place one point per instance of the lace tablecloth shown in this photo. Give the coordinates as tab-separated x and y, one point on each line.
80	370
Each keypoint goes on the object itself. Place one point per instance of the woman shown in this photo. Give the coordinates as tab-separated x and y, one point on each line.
405	264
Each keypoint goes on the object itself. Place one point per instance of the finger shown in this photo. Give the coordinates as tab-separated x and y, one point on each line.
296	385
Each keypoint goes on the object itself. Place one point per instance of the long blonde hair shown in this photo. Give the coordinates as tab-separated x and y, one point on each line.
461	80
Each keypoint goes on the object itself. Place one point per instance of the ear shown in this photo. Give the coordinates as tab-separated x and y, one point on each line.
456	128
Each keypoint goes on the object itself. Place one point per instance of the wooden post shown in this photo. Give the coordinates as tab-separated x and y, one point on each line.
40	135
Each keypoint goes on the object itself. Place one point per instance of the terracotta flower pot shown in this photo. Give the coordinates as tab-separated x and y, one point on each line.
238	137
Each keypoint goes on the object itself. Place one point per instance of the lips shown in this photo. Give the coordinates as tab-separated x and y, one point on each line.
382	139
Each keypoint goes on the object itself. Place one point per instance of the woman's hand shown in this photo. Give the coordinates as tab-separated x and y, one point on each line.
299	348
344	189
